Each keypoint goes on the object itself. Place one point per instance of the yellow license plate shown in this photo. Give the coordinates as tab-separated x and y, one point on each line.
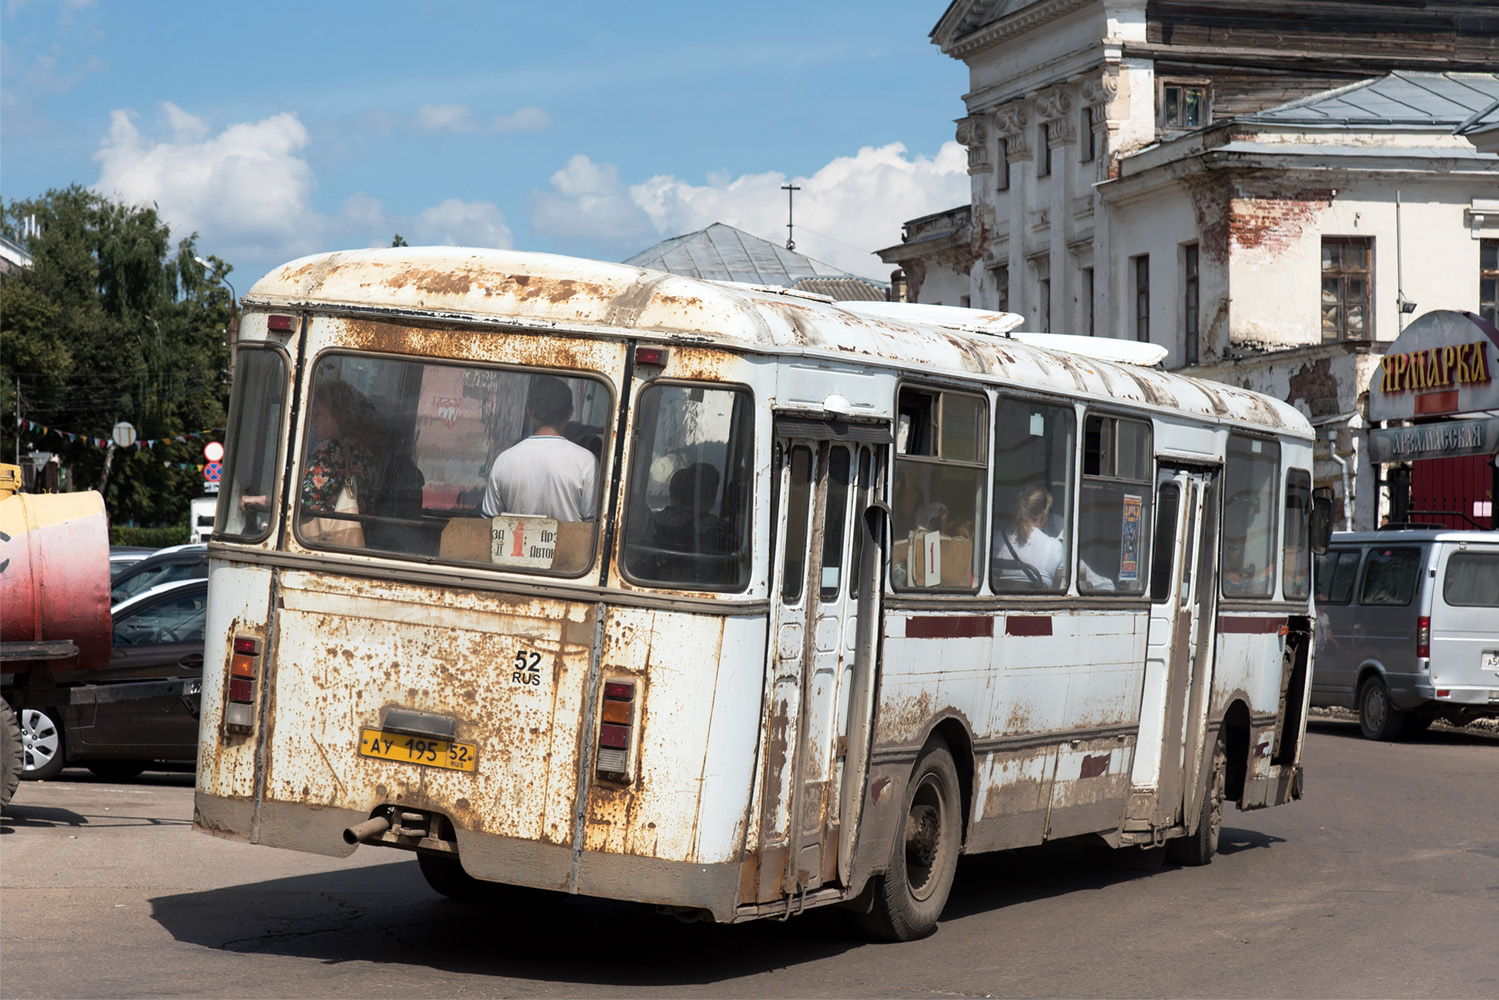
418	750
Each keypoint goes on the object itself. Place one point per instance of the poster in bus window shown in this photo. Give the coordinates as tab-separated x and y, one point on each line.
1129	539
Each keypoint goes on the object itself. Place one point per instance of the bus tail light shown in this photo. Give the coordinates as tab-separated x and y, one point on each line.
616	725
244	665
1423	637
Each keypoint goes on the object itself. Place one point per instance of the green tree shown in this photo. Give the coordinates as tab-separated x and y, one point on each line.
112	322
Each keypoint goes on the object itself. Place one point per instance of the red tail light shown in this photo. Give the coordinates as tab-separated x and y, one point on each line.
616	725
244	666
1423	636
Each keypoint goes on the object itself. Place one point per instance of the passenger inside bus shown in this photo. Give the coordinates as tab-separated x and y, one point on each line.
545	474
1027	556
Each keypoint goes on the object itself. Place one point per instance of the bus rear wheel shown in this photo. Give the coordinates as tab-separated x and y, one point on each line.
909	897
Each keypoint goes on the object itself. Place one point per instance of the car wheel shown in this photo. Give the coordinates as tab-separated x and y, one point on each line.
116	770
1378	719
43	748
11	758
909	897
1199	847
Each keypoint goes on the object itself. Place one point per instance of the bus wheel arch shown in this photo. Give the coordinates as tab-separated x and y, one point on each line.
959	740
1236	732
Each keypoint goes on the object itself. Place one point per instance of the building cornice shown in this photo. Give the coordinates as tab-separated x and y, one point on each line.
1024	20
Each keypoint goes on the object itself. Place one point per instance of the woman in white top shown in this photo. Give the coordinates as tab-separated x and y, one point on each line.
1023	551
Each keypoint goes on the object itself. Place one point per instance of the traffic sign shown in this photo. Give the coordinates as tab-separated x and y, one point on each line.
123	434
212	471
213	451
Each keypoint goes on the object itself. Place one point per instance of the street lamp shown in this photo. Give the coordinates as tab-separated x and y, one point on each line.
233	332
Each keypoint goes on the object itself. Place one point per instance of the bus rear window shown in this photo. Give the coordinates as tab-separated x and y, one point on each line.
689	506
461	463
1251	512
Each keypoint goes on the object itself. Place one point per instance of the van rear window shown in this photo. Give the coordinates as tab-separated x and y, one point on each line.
1472	580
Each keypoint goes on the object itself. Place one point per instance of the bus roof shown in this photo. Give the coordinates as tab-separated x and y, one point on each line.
546	292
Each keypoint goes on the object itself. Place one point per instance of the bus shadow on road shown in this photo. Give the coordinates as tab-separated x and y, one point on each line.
21	816
386	914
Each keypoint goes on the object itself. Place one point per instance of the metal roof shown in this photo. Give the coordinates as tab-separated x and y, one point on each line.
515	293
1402	99
723	253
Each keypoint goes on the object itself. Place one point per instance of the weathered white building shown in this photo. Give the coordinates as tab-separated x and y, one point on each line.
1267	189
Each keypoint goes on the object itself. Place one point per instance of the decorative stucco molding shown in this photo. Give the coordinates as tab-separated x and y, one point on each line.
1012	122
1054	107
973	133
1098	93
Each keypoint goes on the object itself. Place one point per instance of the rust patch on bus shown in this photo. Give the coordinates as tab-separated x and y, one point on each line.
1094	765
475	343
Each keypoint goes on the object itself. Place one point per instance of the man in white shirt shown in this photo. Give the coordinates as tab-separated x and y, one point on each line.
545	474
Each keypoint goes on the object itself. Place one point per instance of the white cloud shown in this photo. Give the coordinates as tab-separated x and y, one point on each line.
453	222
445	118
588	201
524	120
246	189
846	210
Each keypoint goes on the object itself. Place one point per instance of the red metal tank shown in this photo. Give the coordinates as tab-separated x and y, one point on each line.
54	573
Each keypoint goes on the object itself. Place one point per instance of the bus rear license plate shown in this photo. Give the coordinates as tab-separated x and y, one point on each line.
418	750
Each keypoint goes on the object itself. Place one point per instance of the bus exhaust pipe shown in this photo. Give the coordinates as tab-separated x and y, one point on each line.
368	830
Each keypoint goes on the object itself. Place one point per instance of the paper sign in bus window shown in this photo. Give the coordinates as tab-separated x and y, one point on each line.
522	541
1129	539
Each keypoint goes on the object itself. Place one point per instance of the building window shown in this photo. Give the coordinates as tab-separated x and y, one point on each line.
1002	170
1002	289
1043	155
1089	149
1041	267
1488	280
1088	299
1142	296
1345	288
1184	105
1189	301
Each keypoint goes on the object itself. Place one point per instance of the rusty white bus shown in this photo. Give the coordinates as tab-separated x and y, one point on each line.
840	591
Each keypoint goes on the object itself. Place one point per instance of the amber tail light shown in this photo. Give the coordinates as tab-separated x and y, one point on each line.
616	725
244	666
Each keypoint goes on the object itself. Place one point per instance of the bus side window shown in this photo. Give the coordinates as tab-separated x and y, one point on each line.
937	497
1251	475
1031	547
1115	505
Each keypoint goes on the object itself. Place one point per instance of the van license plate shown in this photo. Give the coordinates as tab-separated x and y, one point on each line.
1491	660
418	750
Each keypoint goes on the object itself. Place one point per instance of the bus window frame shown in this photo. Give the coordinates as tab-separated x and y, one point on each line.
978	569
627	468
302	430
279	468
1273	571
1147	489
1077	408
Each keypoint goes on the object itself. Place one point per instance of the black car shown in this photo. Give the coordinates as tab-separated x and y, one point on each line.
143	707
180	562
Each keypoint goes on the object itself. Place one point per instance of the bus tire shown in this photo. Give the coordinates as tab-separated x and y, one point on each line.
445	874
1378	718
1199	847
10	753
910	896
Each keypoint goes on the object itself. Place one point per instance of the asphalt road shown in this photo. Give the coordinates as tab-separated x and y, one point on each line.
1384	881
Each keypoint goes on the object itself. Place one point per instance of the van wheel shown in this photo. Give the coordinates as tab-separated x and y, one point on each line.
42	743
1378	719
1199	848
909	897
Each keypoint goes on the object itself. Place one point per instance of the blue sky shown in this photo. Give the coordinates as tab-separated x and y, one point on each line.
278	129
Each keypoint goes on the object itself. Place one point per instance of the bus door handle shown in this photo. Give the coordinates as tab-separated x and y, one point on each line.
192	661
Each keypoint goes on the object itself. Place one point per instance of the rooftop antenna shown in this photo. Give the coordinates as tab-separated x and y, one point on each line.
790	190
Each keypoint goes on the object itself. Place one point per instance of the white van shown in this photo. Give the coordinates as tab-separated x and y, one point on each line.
1408	628
200	518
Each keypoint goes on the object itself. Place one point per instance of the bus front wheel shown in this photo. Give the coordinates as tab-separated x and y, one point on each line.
909	897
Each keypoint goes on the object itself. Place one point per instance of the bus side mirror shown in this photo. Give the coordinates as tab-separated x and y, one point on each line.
1321	527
